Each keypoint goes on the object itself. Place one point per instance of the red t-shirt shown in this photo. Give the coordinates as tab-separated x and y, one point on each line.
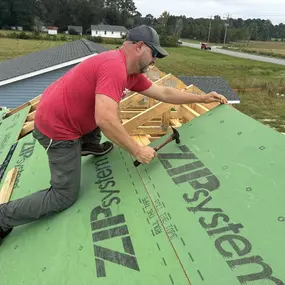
66	109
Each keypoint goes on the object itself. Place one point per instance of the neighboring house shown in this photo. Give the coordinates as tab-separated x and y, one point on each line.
52	30
23	78
212	83
108	31
18	28
72	30
43	29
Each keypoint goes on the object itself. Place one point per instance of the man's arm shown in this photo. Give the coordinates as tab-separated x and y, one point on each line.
107	119
175	96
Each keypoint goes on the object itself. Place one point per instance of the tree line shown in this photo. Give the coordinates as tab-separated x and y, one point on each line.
32	14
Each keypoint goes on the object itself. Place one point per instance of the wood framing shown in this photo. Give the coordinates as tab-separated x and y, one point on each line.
145	116
8	185
21	107
145	119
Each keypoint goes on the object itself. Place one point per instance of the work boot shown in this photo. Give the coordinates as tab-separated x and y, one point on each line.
96	149
3	234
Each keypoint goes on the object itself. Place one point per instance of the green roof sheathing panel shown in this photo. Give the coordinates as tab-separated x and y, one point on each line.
10	129
207	211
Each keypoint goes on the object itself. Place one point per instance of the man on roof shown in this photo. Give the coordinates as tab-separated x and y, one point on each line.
75	109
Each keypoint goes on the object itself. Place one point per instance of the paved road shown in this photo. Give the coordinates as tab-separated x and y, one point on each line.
240	54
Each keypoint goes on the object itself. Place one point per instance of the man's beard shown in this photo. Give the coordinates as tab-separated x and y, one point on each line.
144	67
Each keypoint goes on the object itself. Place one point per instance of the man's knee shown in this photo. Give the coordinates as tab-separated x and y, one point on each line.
67	202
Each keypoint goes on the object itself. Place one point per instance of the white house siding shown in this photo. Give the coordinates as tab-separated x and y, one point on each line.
106	34
52	32
14	94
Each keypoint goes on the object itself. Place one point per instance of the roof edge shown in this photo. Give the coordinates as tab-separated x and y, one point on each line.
44	70
234	101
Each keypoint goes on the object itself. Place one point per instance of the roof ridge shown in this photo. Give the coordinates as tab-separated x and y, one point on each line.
89	45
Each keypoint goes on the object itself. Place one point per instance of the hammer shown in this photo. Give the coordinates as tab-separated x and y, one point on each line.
175	136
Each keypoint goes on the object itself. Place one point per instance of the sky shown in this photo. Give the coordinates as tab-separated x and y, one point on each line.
275	11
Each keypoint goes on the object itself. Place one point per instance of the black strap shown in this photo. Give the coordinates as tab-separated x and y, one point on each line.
7	160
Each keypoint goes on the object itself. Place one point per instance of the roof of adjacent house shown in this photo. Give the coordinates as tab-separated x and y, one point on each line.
76	28
111	28
211	83
47	58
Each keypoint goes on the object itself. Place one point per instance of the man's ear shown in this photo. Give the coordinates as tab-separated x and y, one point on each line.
140	45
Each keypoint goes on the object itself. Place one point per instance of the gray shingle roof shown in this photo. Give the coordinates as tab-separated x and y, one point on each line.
78	29
211	83
111	28
47	58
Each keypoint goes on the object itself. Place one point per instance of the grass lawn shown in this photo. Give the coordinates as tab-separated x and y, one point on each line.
10	48
240	73
267	48
265	45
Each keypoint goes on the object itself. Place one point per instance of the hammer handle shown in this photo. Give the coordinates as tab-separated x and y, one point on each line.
137	163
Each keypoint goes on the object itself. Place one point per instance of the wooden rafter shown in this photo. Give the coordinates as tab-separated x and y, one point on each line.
144	118
150	130
188	113
21	107
147	115
142	139
136	97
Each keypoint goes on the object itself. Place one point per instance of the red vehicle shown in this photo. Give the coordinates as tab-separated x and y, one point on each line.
205	46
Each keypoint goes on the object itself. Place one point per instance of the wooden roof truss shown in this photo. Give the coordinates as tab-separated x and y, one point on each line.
145	119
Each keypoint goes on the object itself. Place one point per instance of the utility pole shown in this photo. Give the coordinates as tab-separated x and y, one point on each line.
226	27
226	30
210	26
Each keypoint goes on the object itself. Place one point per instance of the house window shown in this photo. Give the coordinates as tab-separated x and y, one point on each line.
112	33
96	32
121	33
105	32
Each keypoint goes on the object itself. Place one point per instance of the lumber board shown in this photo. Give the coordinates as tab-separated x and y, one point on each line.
136	97
188	113
166	119
175	123
147	115
151	102
8	185
23	106
129	114
34	106
151	130
14	111
142	140
27	128
199	108
153	123
153	138
31	116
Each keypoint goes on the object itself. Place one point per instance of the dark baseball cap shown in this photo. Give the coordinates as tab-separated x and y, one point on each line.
149	36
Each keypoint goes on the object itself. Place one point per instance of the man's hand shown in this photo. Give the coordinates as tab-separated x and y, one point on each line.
214	97
174	96
145	154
